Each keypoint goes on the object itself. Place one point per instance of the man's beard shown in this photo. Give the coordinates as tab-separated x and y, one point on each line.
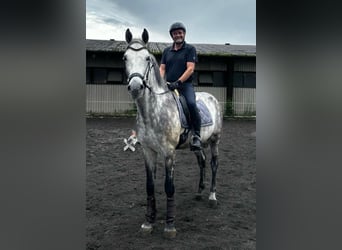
179	41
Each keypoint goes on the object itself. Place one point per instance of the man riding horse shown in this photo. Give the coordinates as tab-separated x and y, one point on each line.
177	66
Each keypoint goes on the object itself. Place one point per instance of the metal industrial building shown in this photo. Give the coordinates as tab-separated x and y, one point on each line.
227	71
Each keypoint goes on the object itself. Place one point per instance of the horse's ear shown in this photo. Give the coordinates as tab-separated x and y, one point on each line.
128	36
145	36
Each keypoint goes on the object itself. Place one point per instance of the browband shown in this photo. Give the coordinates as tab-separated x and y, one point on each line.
135	42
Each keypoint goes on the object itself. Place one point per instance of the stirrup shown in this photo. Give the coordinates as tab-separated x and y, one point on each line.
195	146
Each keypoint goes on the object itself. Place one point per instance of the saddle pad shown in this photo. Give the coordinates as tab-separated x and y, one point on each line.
206	119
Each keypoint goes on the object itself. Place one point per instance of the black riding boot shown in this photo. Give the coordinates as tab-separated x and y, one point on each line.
196	138
196	130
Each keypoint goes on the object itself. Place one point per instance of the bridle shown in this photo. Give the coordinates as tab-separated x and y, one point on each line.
150	65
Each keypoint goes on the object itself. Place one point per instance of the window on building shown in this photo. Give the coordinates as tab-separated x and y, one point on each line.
205	78
219	78
99	76
195	79
211	78
244	80
88	76
250	80
105	76
115	76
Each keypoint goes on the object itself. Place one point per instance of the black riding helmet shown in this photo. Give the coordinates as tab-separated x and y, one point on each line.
176	26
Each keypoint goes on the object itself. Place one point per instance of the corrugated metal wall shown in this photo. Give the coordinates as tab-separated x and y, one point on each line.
108	99
245	66
244	101
111	99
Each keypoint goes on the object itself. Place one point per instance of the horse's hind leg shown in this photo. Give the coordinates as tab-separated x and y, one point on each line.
214	166
150	216
201	163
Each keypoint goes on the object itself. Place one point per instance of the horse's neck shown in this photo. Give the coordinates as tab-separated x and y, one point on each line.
160	84
149	105
153	103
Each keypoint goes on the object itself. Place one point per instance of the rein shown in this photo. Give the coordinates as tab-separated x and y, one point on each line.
150	65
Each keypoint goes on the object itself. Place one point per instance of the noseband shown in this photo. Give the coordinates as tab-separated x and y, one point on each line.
144	77
149	66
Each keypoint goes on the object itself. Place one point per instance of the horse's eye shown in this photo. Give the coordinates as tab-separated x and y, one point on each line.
148	58
124	58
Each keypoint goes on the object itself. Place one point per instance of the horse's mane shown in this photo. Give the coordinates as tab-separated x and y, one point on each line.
160	80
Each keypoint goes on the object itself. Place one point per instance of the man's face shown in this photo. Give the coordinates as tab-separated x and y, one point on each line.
178	36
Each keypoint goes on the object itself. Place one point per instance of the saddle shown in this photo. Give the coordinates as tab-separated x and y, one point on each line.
184	116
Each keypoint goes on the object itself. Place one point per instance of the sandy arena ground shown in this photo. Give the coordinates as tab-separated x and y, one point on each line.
116	196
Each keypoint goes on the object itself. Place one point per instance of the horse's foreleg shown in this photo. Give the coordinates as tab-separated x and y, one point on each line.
201	163
170	230
151	202
214	166
150	162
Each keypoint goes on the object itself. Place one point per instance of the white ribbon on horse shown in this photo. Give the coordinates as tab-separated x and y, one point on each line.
131	141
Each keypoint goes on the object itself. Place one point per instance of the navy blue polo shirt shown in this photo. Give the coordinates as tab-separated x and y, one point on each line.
175	61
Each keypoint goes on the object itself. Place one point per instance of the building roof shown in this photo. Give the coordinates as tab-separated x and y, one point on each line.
157	48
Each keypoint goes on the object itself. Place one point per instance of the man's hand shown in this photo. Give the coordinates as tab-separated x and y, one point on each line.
174	85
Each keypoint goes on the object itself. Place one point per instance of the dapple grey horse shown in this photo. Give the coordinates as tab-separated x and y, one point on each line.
159	128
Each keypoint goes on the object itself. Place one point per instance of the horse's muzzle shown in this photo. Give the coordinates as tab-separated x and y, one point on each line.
135	88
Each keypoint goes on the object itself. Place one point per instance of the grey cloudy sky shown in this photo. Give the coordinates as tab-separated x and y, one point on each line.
207	21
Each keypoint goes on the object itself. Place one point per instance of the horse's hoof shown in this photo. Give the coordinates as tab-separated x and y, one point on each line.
212	200
146	228
170	231
213	203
